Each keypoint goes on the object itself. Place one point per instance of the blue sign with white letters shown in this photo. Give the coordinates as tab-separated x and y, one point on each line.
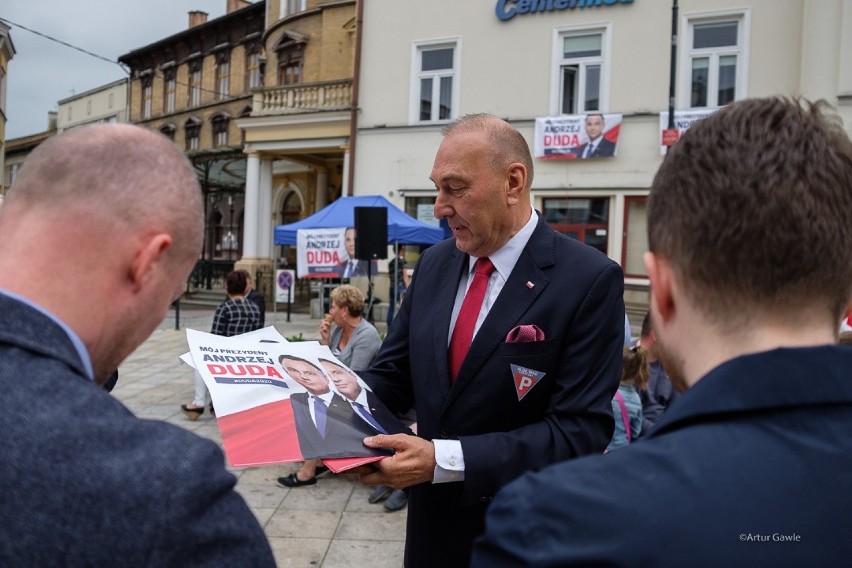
508	9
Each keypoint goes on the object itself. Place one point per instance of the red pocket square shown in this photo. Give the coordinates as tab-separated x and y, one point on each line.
525	334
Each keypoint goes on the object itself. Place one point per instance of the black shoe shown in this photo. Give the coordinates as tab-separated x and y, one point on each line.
293	480
192	413
398	500
380	493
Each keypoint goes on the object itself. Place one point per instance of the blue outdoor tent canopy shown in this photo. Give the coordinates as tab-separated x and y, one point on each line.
402	228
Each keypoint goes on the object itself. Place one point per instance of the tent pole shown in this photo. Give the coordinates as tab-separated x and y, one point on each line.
395	277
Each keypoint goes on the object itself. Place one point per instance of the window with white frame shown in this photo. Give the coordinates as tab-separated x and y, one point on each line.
170	89
253	78
147	99
715	61
435	82
220	130
582	67
192	134
195	83
223	75
294	7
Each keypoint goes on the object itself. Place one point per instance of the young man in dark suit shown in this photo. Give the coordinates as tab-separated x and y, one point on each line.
99	233
750	262
319	412
597	146
512	375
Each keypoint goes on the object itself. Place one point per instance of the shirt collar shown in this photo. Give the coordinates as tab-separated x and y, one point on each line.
504	260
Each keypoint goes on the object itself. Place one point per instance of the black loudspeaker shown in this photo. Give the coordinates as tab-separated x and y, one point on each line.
371	233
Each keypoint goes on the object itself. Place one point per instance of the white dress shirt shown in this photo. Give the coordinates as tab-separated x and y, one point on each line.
449	457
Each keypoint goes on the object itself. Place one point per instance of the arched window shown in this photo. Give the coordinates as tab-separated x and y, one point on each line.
291	53
192	128
168	130
220	124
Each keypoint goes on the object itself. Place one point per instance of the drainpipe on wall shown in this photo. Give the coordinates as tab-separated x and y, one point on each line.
356	76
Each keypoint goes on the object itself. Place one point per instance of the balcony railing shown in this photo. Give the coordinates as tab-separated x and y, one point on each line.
309	97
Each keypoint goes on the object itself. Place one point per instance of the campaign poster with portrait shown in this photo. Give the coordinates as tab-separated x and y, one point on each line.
330	253
320	252
577	136
279	401
683	119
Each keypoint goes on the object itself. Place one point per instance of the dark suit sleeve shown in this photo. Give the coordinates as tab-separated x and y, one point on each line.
578	419
310	443
207	522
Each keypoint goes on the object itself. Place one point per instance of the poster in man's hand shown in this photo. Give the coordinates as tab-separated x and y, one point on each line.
279	401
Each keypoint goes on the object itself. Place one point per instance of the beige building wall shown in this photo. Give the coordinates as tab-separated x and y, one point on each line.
510	68
7	52
107	103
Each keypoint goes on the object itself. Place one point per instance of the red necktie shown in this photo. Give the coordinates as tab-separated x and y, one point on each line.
466	321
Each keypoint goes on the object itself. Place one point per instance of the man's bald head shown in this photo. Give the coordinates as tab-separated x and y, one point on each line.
124	176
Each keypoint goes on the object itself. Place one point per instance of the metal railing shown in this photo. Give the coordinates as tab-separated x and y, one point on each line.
209	275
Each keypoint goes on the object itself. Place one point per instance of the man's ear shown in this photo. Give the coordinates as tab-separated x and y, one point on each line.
662	292
516	181
151	253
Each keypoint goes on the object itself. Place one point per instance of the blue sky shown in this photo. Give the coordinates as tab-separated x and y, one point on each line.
44	72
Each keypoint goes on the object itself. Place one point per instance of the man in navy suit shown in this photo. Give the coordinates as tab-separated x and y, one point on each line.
318	413
597	146
750	262
352	266
369	416
534	384
99	233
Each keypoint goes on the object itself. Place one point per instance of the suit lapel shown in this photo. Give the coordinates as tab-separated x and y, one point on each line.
514	300
455	265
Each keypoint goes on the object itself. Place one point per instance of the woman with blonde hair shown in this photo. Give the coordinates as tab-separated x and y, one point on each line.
355	342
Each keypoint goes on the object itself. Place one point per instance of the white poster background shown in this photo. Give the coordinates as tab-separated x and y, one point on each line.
683	120
319	252
559	137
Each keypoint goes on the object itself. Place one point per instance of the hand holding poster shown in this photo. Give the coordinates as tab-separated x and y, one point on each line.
279	402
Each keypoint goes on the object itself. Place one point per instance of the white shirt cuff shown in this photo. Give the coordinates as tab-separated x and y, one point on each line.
449	461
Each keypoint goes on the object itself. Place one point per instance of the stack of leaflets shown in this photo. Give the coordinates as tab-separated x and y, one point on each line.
278	401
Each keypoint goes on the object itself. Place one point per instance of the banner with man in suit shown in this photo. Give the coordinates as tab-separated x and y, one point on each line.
577	136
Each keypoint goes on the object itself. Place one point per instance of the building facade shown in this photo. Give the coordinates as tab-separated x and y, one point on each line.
192	87
298	134
7	52
539	62
104	104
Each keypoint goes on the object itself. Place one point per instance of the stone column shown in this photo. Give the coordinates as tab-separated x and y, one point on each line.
264	225
252	200
322	188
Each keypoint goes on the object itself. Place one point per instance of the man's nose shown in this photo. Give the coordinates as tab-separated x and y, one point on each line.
442	207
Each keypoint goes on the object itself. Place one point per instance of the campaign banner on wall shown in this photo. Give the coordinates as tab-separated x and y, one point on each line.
683	120
577	136
320	253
